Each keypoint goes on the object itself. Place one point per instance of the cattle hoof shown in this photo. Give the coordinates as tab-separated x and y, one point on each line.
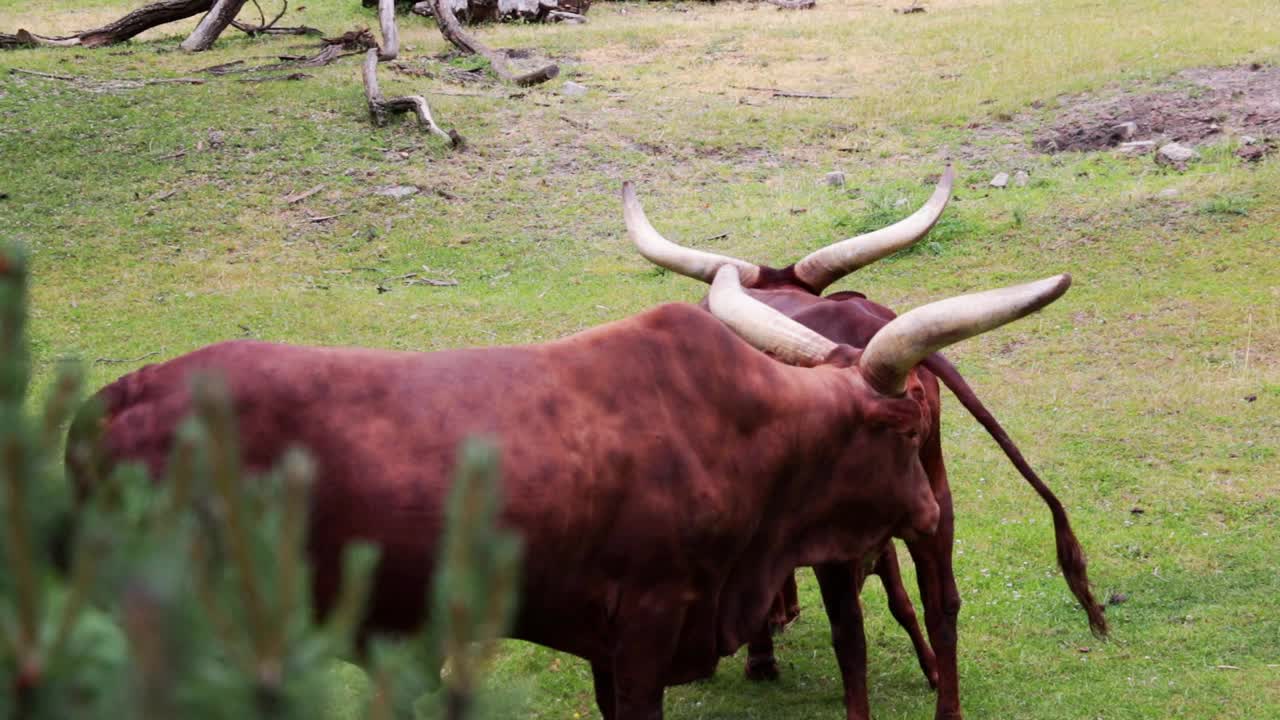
762	669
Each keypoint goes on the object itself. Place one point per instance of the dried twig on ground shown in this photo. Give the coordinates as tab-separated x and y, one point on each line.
108	85
117	361
793	4
273	78
779	92
265	27
299	197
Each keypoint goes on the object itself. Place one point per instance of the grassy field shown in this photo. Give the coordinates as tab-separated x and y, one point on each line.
1149	397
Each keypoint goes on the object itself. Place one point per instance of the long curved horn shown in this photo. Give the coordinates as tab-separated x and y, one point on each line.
912	337
822	267
762	326
661	251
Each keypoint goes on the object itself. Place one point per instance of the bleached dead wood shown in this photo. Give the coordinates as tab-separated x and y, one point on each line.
132	24
461	39
212	25
379	106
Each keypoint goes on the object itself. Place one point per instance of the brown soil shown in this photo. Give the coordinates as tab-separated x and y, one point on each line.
1194	106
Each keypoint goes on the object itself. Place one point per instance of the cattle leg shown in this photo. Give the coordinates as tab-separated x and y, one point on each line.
645	650
602	675
941	601
761	664
790	599
900	605
840	583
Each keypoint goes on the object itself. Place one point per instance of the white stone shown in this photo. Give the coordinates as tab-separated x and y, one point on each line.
1021	178
1000	180
1138	147
397	191
1125	130
573	89
1176	155
834	178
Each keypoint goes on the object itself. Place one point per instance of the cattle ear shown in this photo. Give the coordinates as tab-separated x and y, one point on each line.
843	356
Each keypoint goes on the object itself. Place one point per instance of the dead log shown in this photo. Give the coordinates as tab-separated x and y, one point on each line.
212	25
135	23
379	106
474	12
459	38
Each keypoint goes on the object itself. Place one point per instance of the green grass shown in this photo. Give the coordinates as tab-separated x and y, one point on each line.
1130	392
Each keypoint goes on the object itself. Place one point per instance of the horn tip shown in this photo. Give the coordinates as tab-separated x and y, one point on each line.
1063	283
1052	288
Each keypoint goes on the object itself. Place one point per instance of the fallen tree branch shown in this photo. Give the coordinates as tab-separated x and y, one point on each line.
379	106
327	54
566	16
459	38
390	32
134	23
269	28
793	4
212	25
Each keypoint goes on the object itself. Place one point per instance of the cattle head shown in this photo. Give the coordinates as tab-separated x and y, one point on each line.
812	274
886	403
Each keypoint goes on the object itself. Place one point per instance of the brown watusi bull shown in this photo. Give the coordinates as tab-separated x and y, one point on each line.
851	319
664	474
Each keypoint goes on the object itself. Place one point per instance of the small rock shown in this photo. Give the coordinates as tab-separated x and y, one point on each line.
900	202
573	89
1168	193
1137	147
1124	131
834	178
1117	598
217	138
1248	140
1250	398
1000	180
1021	178
1137	511
1253	153
1176	155
398	191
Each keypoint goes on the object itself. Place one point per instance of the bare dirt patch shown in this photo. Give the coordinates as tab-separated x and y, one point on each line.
1192	107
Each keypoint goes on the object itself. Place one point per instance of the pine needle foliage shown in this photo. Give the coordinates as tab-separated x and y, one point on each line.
191	597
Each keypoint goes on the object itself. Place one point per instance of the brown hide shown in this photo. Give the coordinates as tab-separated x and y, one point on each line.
665	476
